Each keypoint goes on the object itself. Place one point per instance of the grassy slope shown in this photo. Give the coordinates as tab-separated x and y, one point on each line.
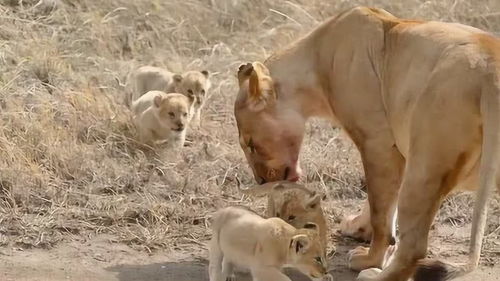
69	165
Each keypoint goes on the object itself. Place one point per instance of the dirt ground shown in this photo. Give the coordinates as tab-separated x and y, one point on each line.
101	259
81	199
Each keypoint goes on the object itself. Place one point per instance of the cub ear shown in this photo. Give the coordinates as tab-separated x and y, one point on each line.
314	201
177	78
205	73
310	225
157	100
300	243
260	91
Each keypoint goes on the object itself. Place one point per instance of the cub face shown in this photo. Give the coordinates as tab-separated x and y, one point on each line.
295	205
307	253
194	83
172	110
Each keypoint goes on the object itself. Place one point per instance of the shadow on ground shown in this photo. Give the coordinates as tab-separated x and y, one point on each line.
197	271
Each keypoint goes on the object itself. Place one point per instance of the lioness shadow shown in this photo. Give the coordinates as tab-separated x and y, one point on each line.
198	271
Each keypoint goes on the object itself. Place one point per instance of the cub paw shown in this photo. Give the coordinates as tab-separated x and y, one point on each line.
369	274
356	227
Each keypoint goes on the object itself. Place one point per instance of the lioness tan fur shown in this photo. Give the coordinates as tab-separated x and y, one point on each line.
196	83
160	116
293	203
421	101
244	239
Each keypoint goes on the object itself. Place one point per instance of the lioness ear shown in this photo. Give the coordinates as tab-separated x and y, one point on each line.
314	201
157	101
260	85
244	71
177	78
205	73
300	243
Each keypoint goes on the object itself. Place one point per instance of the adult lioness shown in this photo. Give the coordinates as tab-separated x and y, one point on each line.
421	101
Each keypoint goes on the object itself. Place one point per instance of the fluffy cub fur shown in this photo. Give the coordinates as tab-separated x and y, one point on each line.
294	203
160	116
244	239
196	83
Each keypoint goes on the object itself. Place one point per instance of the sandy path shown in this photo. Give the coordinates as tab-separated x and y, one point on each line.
100	260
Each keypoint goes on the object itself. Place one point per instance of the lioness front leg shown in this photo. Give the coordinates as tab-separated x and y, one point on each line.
268	274
383	166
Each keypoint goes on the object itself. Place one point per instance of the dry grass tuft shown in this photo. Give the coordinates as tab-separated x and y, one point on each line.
69	163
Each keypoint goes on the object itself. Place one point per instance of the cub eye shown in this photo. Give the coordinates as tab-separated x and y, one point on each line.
171	114
190	91
318	260
202	92
290	218
250	145
184	114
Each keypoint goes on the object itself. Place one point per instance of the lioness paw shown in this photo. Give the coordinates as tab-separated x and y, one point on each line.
360	260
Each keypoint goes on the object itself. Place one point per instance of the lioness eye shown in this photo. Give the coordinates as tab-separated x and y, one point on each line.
202	92
317	259
185	114
190	91
172	115
291	218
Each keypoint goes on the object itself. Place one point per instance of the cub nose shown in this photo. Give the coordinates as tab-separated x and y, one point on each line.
180	125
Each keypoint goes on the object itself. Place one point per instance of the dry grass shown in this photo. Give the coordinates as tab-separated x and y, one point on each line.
69	165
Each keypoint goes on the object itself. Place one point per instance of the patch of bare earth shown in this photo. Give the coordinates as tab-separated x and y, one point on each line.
80	199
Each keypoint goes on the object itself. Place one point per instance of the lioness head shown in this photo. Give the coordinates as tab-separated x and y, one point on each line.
172	110
196	83
306	252
270	143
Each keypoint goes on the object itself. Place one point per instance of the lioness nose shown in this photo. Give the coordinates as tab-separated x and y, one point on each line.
291	174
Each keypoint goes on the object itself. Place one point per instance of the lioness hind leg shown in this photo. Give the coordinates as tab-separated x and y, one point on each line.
383	165
268	274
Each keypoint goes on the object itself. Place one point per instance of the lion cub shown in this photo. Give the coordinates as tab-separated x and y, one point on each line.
197	83
293	203
244	239
160	116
